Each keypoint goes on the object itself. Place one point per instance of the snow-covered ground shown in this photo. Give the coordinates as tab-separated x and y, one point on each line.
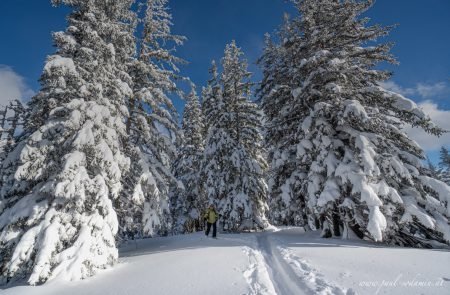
286	261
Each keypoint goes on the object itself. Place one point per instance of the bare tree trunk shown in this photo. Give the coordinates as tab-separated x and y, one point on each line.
336	223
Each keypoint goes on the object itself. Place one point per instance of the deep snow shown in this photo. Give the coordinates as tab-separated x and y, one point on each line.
285	261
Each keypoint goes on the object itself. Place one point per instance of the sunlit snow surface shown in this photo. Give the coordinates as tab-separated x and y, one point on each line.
279	261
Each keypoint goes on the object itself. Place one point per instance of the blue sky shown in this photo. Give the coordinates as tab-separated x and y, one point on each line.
422	44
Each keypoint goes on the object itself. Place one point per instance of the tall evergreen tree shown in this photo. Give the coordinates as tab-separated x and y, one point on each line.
190	201
354	166
152	126
444	165
56	212
233	163
211	99
12	119
287	206
434	171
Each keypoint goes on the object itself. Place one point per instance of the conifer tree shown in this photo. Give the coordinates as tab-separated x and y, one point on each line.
354	166
211	98
286	202
434	171
190	201
12	118
3	133
58	184
444	165
233	165
152	127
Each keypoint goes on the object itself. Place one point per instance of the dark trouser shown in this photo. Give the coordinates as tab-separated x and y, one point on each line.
208	228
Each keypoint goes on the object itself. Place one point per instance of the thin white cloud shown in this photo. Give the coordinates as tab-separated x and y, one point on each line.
12	86
394	87
441	118
422	90
431	90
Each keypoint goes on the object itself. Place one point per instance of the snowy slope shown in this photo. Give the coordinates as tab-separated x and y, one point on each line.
286	261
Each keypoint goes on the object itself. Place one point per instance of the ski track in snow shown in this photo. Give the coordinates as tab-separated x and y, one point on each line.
276	270
257	275
283	276
311	278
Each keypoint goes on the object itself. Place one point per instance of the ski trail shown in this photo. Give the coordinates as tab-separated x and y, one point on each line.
256	275
274	269
282	275
310	277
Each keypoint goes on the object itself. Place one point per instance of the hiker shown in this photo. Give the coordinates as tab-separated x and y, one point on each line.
211	217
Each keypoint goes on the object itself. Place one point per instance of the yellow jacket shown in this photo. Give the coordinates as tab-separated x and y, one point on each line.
211	215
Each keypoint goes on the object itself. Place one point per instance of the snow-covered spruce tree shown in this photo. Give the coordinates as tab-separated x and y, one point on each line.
434	171
11	122
211	99
357	168
152	127
3	133
234	167
286	201
444	165
56	213
190	201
